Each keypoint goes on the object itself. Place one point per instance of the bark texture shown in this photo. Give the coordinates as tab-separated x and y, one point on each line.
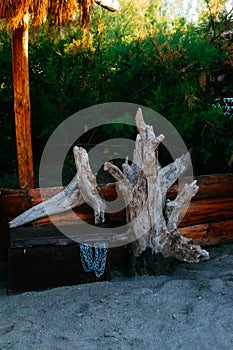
22	104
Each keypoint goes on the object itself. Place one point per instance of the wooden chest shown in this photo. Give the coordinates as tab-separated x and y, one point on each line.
42	257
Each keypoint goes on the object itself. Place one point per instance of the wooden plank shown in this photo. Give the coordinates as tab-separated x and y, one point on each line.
9	191
107	190
26	237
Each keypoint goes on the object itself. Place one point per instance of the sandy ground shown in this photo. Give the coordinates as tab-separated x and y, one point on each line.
190	309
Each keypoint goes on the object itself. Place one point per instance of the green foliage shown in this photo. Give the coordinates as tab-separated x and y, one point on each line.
184	95
7	160
9	180
135	55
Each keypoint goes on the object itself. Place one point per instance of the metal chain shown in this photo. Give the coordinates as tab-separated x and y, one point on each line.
94	261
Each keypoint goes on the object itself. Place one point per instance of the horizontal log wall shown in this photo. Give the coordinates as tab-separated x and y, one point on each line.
12	203
208	220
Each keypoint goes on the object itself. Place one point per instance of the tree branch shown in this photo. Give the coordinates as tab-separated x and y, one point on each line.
88	185
181	201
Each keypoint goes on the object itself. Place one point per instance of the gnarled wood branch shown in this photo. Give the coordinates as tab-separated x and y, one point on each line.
83	188
88	185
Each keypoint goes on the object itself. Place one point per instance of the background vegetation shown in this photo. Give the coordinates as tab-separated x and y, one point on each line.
144	54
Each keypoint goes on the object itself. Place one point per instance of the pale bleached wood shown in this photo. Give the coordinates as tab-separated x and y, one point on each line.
153	221
88	185
70	197
83	188
179	204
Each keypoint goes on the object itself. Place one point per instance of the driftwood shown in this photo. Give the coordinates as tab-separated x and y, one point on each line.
152	218
83	188
144	184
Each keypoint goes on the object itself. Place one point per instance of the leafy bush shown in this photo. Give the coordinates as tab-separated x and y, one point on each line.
130	56
7	135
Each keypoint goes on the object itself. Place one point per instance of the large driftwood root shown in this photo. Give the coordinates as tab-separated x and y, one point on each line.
153	220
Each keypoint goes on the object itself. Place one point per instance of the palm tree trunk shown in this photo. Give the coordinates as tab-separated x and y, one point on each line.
22	104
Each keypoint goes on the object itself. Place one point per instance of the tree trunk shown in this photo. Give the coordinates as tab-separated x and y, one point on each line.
22	105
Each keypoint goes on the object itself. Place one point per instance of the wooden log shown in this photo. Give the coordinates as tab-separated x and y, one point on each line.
210	233
210	186
204	234
35	194
14	202
197	218
199	212
213	202
214	186
22	104
212	207
208	210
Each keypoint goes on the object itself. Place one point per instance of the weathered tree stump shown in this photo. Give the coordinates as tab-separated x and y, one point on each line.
152	219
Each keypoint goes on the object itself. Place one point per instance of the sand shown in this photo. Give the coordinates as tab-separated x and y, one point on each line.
192	308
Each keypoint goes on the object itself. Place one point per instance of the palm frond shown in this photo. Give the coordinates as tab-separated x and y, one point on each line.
55	11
